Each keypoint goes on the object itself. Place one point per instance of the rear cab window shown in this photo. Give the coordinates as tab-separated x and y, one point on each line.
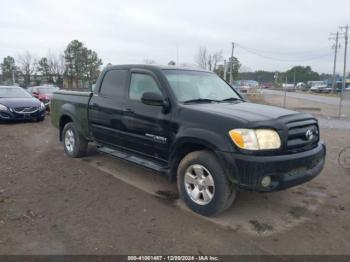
114	83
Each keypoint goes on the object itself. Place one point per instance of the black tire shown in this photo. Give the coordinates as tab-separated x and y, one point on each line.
79	149
224	193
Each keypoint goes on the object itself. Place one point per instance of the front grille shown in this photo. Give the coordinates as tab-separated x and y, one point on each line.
26	110
302	134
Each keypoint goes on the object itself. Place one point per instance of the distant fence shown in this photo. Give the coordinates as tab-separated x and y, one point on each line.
318	104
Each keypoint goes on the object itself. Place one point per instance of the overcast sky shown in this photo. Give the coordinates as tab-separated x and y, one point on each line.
270	35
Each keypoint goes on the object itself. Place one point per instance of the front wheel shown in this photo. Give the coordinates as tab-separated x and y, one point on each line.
75	145
203	185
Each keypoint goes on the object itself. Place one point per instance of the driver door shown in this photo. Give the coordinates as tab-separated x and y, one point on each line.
145	125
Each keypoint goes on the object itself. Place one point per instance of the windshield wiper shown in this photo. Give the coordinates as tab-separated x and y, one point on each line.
201	100
231	99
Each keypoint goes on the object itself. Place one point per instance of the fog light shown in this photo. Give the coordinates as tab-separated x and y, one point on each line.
266	181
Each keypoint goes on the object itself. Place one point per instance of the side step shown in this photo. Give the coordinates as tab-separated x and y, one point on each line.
134	159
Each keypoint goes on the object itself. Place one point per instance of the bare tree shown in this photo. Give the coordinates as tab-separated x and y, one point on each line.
56	63
201	57
216	58
207	60
27	66
57	67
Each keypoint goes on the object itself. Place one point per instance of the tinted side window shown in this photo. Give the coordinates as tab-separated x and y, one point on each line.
141	83
114	83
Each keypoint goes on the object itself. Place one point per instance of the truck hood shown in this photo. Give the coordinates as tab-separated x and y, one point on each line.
20	102
244	110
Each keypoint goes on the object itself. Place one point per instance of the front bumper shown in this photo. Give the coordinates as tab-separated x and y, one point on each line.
11	115
285	170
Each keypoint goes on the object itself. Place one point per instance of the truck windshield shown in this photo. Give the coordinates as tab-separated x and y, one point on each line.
197	86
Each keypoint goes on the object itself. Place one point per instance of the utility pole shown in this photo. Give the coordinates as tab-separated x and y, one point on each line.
13	77
233	48
225	69
231	65
335	60
294	77
177	54
285	92
344	70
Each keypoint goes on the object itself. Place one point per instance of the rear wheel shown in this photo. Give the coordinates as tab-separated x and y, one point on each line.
203	185
75	145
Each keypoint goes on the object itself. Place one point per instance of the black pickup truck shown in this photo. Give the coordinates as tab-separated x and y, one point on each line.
193	127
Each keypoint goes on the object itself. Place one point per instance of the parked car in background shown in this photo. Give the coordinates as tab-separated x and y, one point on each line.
288	87
339	86
43	93
322	88
247	86
315	83
266	85
17	104
302	86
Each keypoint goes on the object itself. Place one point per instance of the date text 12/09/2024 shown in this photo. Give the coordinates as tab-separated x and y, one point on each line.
173	258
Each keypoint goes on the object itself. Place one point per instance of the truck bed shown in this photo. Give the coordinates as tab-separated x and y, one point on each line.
73	104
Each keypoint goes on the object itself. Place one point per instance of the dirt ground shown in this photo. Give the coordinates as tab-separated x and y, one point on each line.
52	204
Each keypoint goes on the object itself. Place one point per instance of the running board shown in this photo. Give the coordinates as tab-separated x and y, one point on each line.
134	159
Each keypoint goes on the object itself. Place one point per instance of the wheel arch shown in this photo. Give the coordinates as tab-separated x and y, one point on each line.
189	143
64	119
70	113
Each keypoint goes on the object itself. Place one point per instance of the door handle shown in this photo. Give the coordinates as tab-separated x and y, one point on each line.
129	111
95	105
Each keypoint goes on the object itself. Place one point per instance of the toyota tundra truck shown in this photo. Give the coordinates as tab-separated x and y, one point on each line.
193	127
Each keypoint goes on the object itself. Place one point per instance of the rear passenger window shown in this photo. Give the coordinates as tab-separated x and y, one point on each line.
114	83
140	84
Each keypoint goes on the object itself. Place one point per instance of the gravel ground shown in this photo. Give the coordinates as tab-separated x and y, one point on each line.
52	204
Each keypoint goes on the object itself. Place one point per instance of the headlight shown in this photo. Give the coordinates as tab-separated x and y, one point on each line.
3	108
255	139
42	106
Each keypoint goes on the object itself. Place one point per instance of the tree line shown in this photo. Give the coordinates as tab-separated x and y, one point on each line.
214	61
293	75
78	66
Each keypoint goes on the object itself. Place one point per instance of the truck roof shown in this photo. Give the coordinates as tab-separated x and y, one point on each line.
152	67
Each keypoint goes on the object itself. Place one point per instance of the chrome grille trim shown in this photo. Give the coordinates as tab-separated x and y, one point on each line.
26	110
297	138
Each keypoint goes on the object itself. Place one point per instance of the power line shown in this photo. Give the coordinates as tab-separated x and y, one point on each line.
285	60
281	53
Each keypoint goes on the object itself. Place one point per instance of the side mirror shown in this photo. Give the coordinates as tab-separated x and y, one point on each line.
152	99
